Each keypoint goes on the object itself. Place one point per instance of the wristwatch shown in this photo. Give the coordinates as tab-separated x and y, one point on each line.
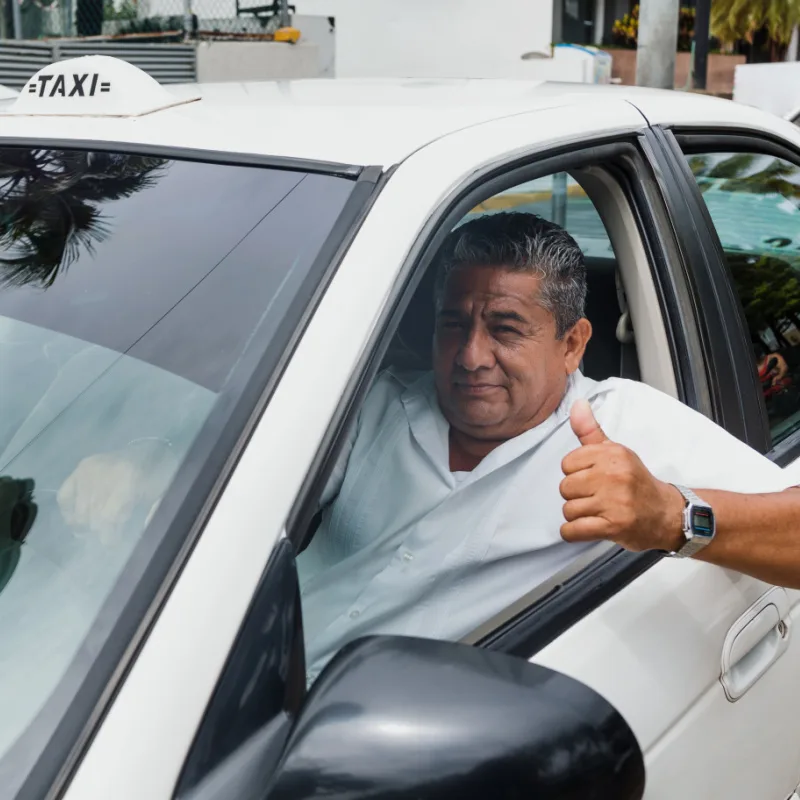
699	525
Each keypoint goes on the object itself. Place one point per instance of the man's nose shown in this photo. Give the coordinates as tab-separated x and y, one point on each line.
476	351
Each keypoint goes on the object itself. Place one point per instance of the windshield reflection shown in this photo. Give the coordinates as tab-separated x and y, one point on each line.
50	206
137	296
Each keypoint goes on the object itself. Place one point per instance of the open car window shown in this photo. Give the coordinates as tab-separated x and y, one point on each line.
393	553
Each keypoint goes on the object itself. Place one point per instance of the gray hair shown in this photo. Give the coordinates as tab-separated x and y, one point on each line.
521	242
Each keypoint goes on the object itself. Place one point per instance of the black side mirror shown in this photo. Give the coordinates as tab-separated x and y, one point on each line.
397	718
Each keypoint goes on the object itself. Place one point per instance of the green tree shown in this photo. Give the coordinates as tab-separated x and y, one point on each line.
732	20
768	286
50	206
769	290
625	31
126	11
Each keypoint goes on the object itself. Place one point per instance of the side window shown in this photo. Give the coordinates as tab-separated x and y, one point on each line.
754	202
423	529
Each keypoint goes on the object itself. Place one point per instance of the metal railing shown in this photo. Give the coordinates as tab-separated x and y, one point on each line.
172	20
167	63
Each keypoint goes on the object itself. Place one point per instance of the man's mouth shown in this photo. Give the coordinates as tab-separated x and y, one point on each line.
477	389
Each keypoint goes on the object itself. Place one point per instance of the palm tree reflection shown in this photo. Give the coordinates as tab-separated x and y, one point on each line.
50	206
748	173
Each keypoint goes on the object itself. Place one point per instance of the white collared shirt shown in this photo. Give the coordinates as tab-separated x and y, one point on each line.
408	547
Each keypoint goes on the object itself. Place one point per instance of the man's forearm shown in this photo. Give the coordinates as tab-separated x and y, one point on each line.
758	534
611	495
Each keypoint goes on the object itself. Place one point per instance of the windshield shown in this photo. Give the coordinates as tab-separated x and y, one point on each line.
131	288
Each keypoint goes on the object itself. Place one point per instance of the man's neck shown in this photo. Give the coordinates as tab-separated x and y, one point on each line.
466	453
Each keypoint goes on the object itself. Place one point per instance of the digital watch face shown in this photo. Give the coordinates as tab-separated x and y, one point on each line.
702	521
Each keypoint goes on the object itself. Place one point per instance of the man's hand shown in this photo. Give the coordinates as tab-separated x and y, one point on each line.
610	494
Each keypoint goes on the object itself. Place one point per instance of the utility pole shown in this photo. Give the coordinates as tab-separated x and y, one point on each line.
702	34
284	20
187	19
16	18
658	41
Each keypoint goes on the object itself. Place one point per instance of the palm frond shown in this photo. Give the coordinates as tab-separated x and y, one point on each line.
50	207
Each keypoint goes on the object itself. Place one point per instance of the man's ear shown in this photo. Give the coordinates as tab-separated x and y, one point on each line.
576	339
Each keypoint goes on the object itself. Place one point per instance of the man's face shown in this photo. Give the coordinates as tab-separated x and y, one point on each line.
499	368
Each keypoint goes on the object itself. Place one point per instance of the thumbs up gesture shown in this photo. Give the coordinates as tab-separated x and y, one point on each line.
610	494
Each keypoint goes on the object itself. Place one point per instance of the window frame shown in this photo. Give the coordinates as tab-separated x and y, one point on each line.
569	597
700	141
80	705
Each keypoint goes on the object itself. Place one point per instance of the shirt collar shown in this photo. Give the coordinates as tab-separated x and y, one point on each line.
431	430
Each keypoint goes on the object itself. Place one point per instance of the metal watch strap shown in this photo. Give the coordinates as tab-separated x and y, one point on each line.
696	543
692	546
690	496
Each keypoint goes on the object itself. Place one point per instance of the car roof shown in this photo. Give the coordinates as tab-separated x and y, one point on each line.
343	121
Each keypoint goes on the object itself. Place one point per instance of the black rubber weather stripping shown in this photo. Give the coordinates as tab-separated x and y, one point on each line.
732	379
568	603
696	141
189	154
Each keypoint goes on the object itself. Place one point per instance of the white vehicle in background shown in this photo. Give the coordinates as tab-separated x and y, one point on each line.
209	278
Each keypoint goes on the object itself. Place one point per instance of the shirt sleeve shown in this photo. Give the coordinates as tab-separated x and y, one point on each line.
386	389
336	478
680	445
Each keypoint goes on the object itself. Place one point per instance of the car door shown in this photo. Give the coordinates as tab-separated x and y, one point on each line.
703	660
652	633
647	633
173	678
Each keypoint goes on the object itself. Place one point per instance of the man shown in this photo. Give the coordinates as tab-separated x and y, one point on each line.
611	495
445	507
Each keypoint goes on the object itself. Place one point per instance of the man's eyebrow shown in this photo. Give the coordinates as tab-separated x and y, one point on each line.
509	316
495	316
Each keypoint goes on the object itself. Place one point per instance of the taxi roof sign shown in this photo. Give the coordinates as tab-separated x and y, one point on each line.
93	86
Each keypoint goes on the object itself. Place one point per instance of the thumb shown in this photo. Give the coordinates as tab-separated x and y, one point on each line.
584	425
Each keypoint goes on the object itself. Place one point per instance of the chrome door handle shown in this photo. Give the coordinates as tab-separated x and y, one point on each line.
755	642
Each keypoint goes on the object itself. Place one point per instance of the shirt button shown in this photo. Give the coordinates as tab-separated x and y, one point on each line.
355	614
311	677
408	556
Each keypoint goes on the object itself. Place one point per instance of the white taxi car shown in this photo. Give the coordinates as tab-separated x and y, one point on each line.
210	277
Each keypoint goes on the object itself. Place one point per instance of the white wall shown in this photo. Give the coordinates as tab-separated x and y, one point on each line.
253	61
415	38
317	30
436	38
771	87
793	50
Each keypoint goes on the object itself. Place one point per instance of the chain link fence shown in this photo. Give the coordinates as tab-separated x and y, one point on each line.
142	20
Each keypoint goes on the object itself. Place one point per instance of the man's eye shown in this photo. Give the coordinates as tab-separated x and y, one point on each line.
507	330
